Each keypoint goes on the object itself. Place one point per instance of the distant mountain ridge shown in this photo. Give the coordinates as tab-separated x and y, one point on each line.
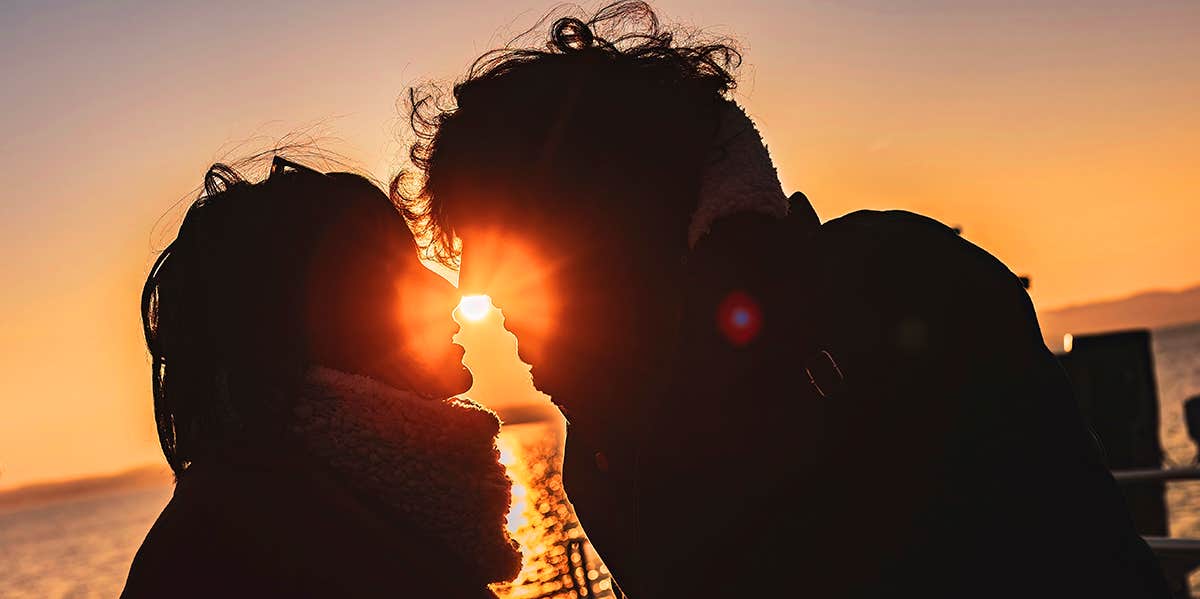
1151	310
51	492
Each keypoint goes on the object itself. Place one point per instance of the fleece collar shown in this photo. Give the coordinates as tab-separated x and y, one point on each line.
434	462
740	179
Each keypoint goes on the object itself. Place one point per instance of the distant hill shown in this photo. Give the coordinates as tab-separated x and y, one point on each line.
527	413
148	477
51	492
1153	310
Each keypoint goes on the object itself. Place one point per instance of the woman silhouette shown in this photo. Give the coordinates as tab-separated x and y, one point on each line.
296	341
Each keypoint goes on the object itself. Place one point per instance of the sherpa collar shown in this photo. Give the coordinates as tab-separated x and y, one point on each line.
743	179
434	462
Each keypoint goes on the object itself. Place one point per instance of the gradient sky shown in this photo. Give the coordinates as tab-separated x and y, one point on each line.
1062	135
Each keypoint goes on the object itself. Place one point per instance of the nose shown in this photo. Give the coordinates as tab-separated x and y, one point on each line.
475	307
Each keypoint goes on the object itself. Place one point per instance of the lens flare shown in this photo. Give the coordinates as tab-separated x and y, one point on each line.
739	318
475	307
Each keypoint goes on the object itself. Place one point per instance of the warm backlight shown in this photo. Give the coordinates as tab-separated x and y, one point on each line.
475	307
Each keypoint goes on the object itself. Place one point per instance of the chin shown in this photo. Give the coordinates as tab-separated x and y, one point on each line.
450	383
553	387
461	382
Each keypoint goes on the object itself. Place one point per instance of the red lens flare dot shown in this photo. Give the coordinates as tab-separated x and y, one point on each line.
739	318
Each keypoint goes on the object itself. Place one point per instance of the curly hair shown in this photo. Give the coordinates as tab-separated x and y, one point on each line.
604	95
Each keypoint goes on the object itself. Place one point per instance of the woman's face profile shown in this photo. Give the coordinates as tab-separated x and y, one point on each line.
373	307
425	331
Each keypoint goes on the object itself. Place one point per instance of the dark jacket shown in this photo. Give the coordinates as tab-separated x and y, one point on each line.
376	492
267	531
895	427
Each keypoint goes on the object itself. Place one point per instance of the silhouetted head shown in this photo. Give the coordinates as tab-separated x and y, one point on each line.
268	279
569	172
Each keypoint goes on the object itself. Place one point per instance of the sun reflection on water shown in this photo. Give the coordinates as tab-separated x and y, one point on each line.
558	561
516	513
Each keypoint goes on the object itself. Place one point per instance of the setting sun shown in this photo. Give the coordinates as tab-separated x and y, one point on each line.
475	307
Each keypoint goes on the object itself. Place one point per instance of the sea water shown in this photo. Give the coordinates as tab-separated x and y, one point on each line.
77	549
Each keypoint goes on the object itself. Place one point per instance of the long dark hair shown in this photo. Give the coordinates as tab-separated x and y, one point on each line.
611	96
263	279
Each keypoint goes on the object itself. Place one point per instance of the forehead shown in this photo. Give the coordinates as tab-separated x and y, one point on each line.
496	253
503	259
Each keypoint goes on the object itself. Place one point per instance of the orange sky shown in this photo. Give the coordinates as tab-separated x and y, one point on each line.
1061	135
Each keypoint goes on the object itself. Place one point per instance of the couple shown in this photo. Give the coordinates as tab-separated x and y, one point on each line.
758	404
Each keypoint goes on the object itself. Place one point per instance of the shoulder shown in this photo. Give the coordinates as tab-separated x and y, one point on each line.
181	555
887	219
254	532
899	247
222	535
869	231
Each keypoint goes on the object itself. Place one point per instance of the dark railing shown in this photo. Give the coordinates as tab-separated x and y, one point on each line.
580	585
1178	557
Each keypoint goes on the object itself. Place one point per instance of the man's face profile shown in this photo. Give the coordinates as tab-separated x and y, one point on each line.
518	275
571	304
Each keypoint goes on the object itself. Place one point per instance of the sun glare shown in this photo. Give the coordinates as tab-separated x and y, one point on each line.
475	307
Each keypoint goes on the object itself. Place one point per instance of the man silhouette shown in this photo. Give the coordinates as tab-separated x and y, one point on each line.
757	403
